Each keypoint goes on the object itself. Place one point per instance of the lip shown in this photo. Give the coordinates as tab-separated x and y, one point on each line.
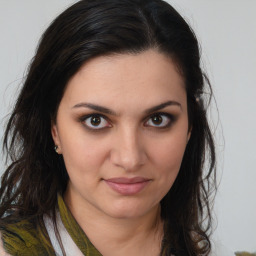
127	186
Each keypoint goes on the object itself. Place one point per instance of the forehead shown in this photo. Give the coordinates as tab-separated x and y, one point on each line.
126	78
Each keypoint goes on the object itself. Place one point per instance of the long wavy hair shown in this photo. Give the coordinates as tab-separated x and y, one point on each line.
36	174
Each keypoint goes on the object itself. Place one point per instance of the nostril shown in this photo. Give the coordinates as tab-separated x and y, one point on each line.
128	149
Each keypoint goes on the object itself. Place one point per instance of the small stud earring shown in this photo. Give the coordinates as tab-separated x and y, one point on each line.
56	148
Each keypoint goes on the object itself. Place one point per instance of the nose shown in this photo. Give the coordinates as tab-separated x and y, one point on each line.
128	151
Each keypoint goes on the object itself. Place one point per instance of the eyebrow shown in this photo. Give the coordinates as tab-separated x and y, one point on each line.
111	112
163	105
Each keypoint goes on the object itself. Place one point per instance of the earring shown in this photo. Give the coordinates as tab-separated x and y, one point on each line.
56	148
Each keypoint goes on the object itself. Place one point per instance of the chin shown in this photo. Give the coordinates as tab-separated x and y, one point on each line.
128	210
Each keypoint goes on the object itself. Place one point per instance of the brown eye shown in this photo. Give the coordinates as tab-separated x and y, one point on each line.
96	122
159	120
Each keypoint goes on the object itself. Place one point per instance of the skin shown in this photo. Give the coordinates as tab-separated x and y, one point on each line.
131	140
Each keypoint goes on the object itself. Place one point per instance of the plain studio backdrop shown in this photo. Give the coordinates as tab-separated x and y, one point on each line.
227	33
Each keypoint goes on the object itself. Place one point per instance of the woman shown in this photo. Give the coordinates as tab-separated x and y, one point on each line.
109	137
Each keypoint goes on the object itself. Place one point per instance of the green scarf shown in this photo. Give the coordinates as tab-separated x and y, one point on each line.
26	238
75	231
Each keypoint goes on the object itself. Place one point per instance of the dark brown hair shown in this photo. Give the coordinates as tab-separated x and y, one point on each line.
101	27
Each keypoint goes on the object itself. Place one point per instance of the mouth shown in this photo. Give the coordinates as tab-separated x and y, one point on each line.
127	186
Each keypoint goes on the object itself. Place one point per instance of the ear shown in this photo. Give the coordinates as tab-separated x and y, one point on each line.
56	138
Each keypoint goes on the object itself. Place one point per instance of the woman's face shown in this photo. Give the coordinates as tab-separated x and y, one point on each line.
122	128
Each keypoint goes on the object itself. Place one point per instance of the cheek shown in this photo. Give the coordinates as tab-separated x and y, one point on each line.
83	153
83	165
167	156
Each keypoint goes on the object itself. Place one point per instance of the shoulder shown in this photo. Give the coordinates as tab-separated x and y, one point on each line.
23	238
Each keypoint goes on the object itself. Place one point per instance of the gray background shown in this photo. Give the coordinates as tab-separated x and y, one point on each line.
227	32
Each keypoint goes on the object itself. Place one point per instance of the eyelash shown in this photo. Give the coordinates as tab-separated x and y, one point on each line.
100	116
164	116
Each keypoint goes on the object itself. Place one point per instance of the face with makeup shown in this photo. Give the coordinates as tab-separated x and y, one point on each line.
122	128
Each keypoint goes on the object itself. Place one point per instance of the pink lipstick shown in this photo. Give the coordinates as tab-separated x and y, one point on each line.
126	186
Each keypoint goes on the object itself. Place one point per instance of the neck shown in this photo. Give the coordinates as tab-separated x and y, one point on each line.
119	236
